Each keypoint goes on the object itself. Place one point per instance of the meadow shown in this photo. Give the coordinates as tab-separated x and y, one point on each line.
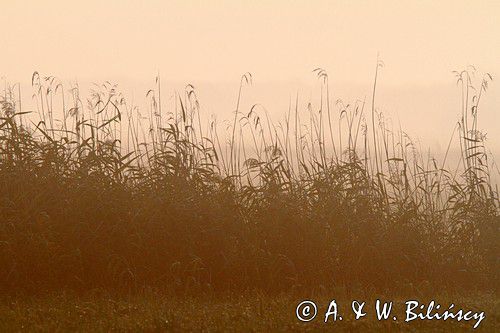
112	198
252	312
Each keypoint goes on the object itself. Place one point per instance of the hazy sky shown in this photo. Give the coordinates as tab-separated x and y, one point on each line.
420	41
213	42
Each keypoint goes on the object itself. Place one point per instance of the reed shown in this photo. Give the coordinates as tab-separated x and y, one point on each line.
108	198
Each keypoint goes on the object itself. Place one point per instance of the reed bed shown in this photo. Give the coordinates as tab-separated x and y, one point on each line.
108	197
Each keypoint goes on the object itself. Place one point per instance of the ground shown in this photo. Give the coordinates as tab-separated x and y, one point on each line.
214	313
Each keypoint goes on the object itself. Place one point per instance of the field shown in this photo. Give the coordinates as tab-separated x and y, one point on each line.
108	200
242	313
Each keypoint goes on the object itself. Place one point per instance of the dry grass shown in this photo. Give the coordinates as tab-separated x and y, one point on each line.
106	198
244	313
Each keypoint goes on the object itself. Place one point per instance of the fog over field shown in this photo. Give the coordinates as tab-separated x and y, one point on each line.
249	165
428	113
280	43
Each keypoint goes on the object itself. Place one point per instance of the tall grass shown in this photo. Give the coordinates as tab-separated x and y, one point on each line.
108	198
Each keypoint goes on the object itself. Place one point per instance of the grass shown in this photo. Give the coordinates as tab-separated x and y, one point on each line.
151	312
107	198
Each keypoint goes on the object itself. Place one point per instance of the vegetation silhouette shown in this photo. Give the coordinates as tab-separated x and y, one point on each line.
107	198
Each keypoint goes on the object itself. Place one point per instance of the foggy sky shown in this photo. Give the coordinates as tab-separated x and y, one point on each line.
211	43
